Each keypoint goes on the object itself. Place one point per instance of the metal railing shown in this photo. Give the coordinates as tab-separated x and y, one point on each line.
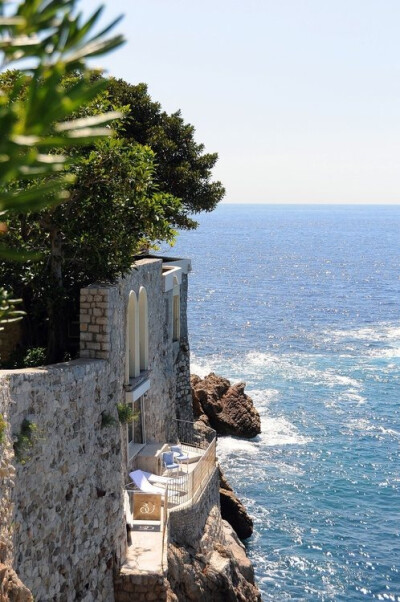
187	488
184	488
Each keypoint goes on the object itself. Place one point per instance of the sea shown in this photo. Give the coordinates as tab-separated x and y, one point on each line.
303	304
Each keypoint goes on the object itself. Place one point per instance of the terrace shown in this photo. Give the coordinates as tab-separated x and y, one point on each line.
147	513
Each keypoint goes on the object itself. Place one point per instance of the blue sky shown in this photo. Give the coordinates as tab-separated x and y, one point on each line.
300	98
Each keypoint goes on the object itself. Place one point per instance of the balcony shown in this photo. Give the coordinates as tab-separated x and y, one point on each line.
147	513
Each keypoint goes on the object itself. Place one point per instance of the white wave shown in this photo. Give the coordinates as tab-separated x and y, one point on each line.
293	367
234	445
288	468
391	432
297	367
262	397
353	396
339	379
359	424
373	333
365	426
201	368
279	431
388	352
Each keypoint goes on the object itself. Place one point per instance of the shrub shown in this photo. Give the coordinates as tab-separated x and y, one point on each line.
125	413
3	427
107	420
25	440
36	356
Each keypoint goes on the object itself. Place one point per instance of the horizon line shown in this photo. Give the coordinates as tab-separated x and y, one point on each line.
298	204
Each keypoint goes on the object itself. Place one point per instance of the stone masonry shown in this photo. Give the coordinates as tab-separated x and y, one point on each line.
67	526
186	525
65	534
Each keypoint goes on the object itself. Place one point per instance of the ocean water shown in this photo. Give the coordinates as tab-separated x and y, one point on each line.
303	304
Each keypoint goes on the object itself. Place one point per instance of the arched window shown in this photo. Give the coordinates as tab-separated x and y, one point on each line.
143	329
132	364
176	311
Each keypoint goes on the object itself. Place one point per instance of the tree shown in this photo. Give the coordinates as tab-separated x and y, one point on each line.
125	194
51	41
183	168
113	212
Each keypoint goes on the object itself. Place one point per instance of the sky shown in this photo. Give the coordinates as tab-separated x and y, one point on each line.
300	98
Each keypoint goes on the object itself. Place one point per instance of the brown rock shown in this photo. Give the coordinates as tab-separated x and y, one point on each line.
229	410
11	587
221	572
233	511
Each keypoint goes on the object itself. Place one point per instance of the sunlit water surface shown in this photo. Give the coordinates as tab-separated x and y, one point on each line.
303	303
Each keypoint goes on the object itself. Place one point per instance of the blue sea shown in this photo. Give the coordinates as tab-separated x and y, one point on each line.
303	304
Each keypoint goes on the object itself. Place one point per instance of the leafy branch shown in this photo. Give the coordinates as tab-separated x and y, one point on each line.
8	312
51	41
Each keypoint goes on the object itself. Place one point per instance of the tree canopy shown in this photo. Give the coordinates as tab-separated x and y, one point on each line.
182	167
52	40
127	193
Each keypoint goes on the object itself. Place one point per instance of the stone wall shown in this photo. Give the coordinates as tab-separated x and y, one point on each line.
140	588
68	528
62	522
184	406
186	525
103	336
7	478
213	567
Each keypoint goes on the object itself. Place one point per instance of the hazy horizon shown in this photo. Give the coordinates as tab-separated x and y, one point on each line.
301	100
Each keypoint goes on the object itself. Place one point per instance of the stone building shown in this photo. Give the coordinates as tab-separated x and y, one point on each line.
65	457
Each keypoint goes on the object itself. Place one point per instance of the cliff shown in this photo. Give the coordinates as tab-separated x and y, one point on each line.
232	509
11	587
230	411
215	568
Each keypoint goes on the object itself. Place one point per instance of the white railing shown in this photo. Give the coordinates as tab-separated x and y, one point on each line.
187	488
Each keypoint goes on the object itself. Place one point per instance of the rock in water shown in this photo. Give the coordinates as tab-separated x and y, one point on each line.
232	509
227	407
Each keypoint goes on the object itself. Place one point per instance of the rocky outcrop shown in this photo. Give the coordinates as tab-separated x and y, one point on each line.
228	410
216	569
232	509
11	587
224	407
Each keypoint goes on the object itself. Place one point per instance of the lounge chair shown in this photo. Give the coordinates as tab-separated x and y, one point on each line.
179	456
141	481
156	479
178	453
168	461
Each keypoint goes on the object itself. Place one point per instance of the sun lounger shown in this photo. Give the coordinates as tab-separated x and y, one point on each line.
179	482
142	483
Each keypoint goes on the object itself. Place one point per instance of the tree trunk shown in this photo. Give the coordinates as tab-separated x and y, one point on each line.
56	302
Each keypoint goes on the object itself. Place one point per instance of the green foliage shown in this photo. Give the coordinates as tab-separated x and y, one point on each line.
114	211
36	123
25	440
8	312
57	42
3	428
183	169
107	420
25	358
125	413
35	356
125	194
